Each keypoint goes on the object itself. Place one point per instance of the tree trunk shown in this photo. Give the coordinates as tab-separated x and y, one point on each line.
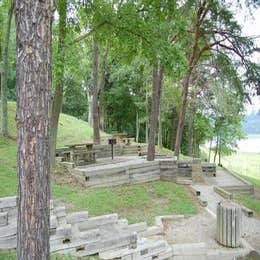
194	57
96	134
156	95
137	127
190	127
147	118
219	151
4	78
216	149
210	145
33	79
173	132
181	121
102	107
90	108
58	94
160	128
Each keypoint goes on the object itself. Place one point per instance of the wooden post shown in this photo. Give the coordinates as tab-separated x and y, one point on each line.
229	222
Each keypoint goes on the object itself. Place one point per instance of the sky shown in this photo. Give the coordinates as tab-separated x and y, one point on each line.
251	27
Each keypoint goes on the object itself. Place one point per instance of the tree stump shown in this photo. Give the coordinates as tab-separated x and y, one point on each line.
229	222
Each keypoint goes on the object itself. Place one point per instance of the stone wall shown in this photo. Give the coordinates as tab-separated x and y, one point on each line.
133	172
80	235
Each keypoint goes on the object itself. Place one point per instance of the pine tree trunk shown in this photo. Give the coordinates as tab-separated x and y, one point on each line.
58	94
190	128
147	118
137	127
219	151
33	79
173	130
90	108
156	95
194	57
216	149
210	146
181	121
102	107
4	78
160	128
96	134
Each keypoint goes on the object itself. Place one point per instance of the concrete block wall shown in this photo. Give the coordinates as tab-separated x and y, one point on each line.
80	235
140	172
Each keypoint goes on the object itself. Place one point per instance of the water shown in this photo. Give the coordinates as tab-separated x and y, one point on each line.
250	145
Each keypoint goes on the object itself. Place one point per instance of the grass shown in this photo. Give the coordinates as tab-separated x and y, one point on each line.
11	255
250	202
136	202
246	165
71	130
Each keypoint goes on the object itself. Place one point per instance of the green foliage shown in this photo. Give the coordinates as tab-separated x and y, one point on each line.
74	100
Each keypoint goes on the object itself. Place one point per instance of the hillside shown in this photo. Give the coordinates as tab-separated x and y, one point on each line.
136	202
71	130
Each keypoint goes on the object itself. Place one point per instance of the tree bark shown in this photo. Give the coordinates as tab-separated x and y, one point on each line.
194	57
160	128
181	121
96	134
4	77
58	94
210	145
147	118
216	149
90	107
219	151
190	126
156	96
137	127
33	79
102	107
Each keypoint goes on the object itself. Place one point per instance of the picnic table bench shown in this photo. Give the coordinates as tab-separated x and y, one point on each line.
80	154
122	138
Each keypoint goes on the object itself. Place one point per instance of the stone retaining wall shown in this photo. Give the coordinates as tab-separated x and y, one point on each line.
139	171
79	235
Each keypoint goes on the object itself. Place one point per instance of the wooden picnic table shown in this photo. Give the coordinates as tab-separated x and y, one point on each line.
122	138
88	146
82	153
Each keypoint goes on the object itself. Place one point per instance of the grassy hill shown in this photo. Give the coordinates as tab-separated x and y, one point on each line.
71	130
135	202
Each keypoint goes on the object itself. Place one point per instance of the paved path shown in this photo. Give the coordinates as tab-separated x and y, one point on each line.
251	226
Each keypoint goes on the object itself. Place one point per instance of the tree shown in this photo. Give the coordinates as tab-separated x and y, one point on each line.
4	77
59	81
156	95
214	31
96	133
33	28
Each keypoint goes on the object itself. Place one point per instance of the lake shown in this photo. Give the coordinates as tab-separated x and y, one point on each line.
250	145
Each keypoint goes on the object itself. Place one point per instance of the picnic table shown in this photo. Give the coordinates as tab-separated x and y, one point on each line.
122	138
80	154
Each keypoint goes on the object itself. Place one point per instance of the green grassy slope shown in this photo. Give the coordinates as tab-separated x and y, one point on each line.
136	202
71	130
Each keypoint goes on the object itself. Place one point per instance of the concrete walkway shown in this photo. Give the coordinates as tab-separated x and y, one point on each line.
251	226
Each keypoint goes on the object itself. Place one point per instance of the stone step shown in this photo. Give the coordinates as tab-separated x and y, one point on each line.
183	181
147	249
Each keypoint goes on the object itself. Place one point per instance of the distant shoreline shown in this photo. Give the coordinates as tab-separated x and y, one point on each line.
251	144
